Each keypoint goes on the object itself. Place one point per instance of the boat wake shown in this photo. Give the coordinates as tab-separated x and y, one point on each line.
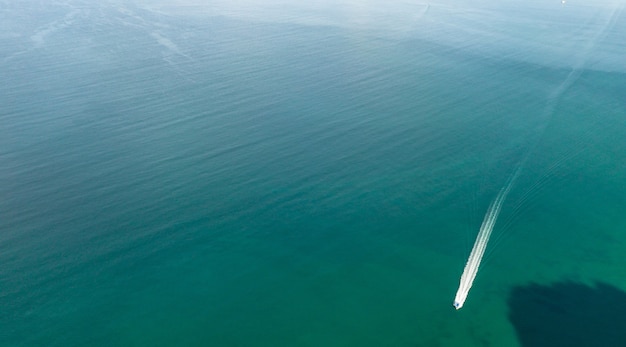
553	99
473	262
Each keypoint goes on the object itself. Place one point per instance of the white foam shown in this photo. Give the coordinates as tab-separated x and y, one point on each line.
475	258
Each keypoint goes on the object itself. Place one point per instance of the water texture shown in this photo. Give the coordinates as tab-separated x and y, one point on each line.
272	173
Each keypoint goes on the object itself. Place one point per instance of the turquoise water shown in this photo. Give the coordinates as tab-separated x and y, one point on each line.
278	174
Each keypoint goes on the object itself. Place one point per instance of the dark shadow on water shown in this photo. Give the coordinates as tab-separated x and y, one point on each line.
568	314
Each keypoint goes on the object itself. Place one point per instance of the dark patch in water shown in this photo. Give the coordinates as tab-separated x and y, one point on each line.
568	314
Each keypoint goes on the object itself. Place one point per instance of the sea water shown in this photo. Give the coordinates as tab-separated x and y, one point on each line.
276	173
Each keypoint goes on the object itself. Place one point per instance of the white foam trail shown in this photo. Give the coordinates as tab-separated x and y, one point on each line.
473	262
478	250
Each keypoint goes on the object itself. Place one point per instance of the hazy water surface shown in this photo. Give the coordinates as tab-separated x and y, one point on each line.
278	174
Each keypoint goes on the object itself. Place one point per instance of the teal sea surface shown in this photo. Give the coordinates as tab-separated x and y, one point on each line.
284	173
